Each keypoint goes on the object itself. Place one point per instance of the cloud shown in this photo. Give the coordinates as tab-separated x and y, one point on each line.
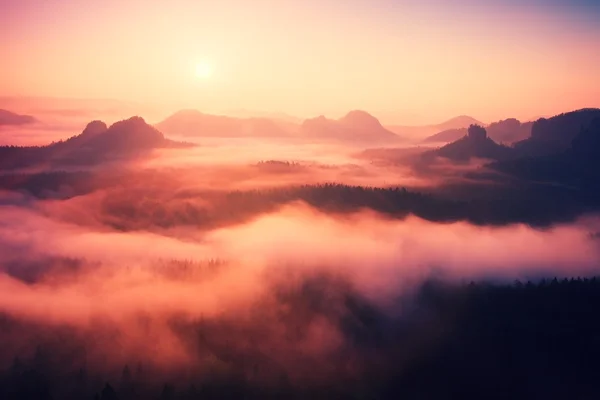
122	272
274	296
299	234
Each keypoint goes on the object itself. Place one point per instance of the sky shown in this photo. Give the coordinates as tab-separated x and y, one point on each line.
401	60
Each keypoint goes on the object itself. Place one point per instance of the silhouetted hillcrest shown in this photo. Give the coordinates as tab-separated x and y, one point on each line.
94	128
475	145
578	165
549	143
361	119
130	135
11	118
447	136
506	131
509	130
554	135
97	143
195	123
355	127
461	121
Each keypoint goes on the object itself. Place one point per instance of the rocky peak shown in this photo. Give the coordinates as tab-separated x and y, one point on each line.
477	132
94	128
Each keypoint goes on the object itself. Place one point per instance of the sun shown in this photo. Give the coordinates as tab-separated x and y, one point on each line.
204	70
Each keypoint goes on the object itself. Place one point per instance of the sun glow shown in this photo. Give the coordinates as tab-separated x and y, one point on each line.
204	70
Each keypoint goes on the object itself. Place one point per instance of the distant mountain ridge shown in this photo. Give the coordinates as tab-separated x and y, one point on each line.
194	123
564	150
476	144
12	119
555	134
96	143
355	127
506	131
459	122
578	165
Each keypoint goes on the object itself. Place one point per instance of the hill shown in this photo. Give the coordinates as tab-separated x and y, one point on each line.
447	136
475	145
554	135
509	130
462	121
97	143
355	127
506	131
10	118
195	123
579	165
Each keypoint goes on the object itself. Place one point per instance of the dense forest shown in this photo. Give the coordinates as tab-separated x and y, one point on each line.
537	205
471	340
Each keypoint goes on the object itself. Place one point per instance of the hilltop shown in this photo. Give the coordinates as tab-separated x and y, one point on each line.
355	127
96	143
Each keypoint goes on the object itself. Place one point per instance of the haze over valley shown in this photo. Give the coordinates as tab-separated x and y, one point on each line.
383	200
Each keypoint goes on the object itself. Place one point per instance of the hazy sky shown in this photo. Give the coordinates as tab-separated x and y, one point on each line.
394	58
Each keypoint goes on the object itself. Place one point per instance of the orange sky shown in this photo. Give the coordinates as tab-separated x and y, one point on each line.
401	60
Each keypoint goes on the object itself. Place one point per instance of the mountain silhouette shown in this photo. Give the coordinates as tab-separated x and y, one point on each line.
11	118
476	144
447	136
510	130
579	165
195	123
462	121
130	135
554	135
506	131
94	128
97	143
355	127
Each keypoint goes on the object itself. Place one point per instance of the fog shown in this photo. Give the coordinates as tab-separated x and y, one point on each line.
261	258
133	283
